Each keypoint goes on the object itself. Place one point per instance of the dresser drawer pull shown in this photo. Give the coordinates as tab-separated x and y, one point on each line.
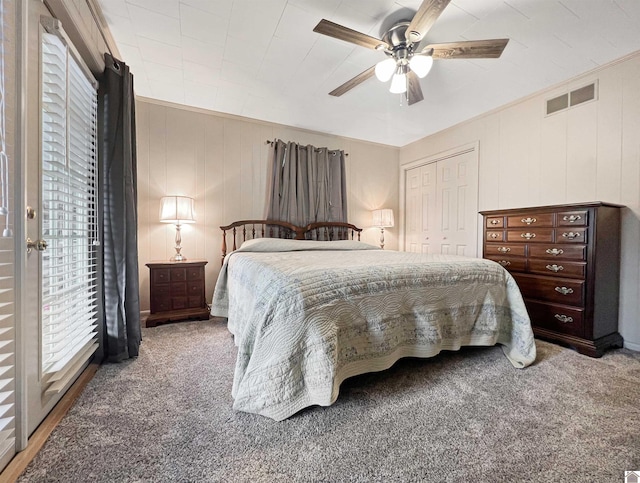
495	222
504	263
528	235
504	249
571	235
564	290
494	235
554	251
565	319
555	268
571	218
529	220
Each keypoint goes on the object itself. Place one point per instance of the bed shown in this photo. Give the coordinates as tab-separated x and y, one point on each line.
311	306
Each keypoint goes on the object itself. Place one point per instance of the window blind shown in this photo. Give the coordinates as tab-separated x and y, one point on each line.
68	195
7	241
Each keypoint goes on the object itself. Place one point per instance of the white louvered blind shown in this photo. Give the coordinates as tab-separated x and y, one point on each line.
7	242
69	277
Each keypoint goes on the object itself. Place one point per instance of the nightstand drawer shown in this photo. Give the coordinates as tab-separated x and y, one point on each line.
160	275
195	273
160	304
178	303
178	274
195	302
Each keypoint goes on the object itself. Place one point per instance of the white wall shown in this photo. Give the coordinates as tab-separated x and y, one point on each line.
222	162
590	152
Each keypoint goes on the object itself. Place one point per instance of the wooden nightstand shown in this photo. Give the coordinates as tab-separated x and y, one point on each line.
177	291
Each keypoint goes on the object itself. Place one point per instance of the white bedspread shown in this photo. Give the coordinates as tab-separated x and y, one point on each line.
307	315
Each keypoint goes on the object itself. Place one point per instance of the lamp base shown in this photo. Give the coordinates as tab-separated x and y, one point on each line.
178	257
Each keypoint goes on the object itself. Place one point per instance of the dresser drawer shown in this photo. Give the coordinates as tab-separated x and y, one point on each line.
532	235
559	318
501	249
542	219
566	235
494	222
558	268
515	264
564	252
494	235
564	291
572	218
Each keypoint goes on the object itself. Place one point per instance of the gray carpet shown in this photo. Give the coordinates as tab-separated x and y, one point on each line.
462	416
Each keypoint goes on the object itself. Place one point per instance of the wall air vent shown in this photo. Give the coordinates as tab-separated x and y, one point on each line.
571	99
584	94
557	103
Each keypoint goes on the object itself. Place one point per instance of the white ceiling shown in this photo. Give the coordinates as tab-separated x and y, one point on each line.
261	58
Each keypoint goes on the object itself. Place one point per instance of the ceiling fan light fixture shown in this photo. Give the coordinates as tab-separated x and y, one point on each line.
421	65
385	69
398	84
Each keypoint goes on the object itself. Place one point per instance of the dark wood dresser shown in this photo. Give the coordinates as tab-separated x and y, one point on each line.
566	260
177	291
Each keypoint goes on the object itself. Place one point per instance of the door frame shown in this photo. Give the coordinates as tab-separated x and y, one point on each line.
442	155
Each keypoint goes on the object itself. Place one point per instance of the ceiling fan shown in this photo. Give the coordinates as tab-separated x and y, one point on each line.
406	62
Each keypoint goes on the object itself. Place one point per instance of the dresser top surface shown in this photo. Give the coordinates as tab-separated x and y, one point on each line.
170	264
551	208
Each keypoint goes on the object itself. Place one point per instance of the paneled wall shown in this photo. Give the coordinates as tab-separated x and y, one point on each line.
222	162
590	152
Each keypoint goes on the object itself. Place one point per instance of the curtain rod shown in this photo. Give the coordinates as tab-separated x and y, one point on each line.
271	142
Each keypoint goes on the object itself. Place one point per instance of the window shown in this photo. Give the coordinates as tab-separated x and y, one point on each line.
68	196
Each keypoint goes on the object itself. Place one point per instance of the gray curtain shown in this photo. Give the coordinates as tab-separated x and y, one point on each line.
308	184
121	334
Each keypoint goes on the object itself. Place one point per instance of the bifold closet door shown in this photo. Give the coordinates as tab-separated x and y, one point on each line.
441	205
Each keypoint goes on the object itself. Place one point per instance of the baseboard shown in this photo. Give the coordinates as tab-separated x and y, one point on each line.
632	346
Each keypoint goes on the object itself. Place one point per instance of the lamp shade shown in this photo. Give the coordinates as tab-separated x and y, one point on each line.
421	64
383	218
385	69
398	84
176	209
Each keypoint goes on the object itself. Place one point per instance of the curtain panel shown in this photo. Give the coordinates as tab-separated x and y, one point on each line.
121	334
308	184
